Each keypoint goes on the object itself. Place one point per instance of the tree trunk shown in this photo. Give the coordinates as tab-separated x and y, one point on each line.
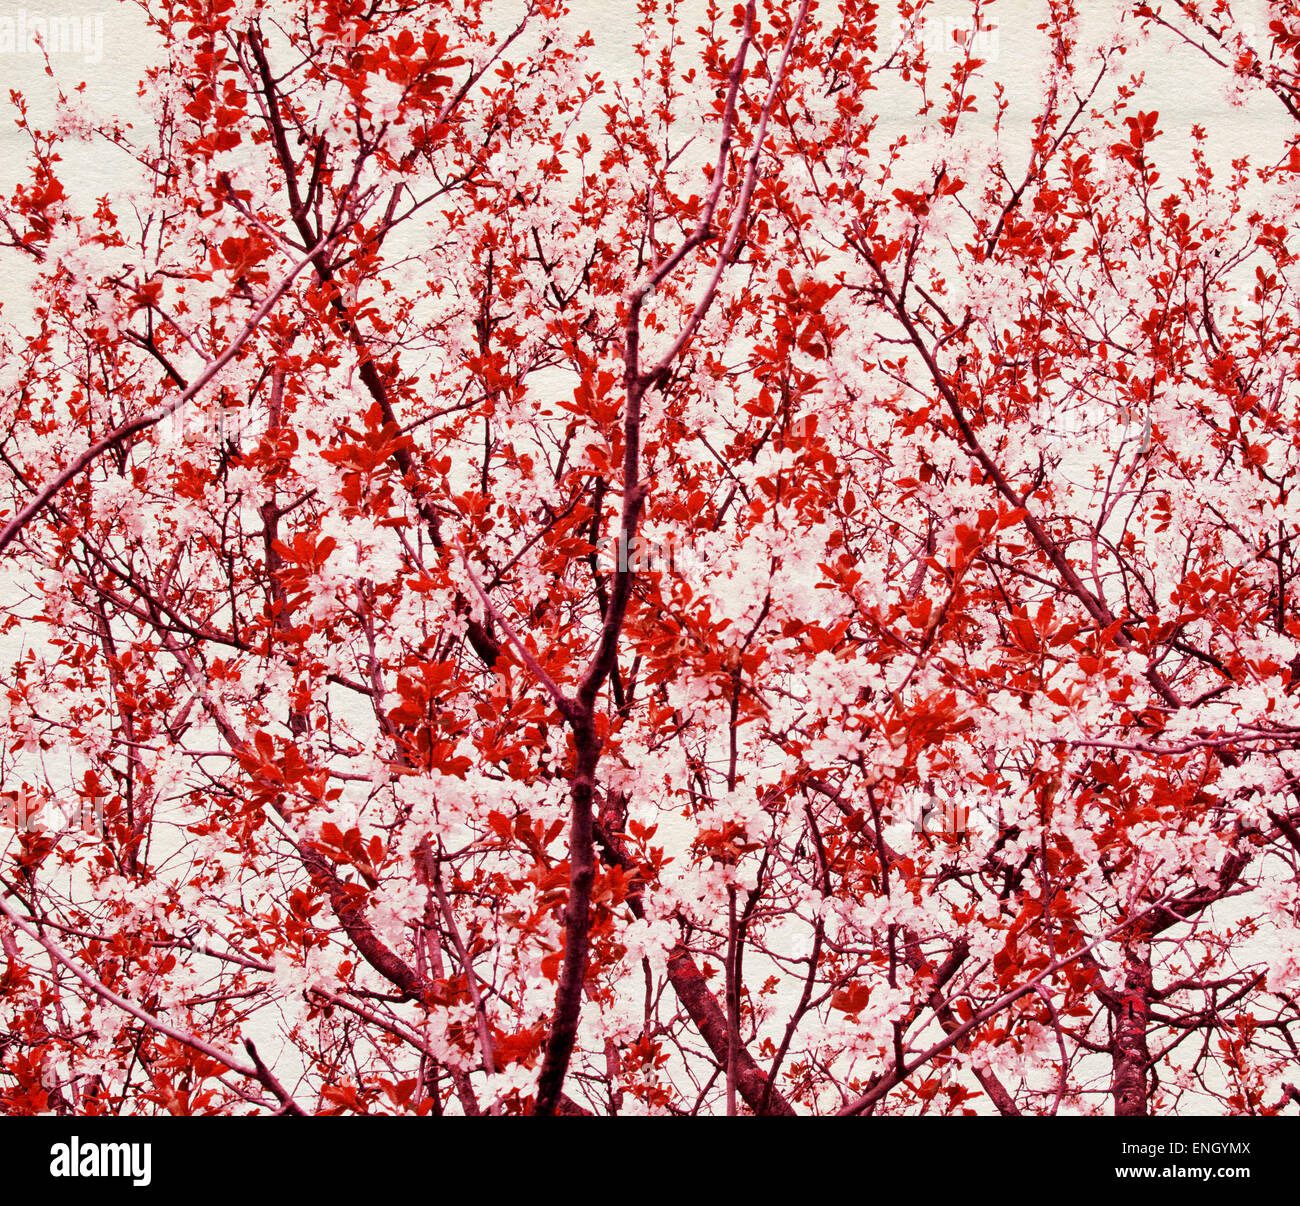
1129	1054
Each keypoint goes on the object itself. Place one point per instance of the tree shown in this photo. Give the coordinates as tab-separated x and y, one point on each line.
761	585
